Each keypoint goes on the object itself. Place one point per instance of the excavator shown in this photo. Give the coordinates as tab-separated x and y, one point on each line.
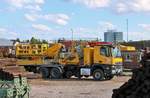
102	61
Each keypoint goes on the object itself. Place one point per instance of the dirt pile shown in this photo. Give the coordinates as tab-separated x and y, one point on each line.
139	84
7	62
9	69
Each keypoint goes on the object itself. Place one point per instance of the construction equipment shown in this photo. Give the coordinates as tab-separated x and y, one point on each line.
26	49
127	48
131	57
102	61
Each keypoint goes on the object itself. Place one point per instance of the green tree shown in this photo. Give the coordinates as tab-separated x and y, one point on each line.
27	41
33	41
44	42
17	40
37	41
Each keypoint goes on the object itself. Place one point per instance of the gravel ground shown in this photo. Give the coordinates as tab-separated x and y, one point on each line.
74	88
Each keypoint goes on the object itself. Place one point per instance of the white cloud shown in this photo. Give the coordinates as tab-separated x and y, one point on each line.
5	33
84	33
31	17
60	19
146	27
106	25
41	27
33	8
32	5
123	6
81	30
92	3
14	34
39	1
16	3
2	30
135	36
120	6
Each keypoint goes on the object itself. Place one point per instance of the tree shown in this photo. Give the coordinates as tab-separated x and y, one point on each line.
44	42
17	40
33	41
37	41
27	41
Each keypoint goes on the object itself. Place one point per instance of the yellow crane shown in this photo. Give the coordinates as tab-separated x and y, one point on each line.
100	61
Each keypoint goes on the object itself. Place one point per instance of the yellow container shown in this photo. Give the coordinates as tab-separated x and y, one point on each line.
31	49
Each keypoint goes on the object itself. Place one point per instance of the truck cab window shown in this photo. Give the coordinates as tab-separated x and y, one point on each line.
116	52
104	51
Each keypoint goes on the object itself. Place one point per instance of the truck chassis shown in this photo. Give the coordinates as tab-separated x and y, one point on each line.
57	71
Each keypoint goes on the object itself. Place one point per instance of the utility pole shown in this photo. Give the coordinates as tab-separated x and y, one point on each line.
72	34
127	30
72	39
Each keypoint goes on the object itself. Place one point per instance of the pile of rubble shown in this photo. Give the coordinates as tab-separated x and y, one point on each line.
7	62
10	72
9	69
139	84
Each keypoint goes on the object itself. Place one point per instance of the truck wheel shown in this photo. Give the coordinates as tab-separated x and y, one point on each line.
44	72
68	74
78	75
98	74
55	73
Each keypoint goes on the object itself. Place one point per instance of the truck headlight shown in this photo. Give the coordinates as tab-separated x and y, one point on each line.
113	67
107	68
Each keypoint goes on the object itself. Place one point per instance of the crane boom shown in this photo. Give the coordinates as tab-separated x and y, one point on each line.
53	50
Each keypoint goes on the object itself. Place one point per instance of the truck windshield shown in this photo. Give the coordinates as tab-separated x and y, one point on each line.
116	52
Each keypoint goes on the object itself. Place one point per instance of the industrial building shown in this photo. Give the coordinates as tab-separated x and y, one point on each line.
6	48
113	36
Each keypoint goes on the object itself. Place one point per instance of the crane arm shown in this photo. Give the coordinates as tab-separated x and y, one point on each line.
53	50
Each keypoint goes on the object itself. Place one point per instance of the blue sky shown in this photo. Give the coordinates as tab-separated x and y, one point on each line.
53	19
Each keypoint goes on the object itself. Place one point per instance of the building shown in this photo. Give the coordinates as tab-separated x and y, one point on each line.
6	48
6	51
113	36
5	42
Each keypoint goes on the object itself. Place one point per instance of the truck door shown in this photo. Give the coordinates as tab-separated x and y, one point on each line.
102	55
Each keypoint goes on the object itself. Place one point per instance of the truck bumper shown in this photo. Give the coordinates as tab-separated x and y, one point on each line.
113	70
116	69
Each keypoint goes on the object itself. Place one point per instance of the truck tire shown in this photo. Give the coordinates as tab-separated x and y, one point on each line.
44	72
98	74
55	73
68	74
78	75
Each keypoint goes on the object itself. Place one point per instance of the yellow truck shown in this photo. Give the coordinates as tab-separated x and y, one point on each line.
131	57
101	61
127	48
